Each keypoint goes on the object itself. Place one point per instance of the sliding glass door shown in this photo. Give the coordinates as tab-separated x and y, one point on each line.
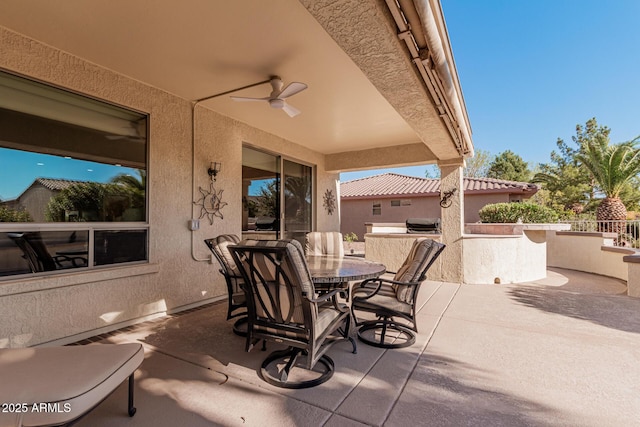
296	191
276	197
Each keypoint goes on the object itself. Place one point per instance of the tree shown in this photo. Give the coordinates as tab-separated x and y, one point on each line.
267	200
90	201
13	215
137	186
569	185
432	172
509	166
612	167
478	165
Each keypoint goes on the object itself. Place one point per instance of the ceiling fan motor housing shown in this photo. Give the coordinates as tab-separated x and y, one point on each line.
276	103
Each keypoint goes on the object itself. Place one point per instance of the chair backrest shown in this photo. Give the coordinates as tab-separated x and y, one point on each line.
421	257
34	250
220	248
327	243
278	282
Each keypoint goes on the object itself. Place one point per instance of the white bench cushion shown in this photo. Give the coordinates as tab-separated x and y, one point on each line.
76	378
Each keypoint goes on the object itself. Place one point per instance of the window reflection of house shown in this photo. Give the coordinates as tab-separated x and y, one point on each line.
37	196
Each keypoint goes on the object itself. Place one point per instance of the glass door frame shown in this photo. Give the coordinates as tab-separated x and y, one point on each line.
280	185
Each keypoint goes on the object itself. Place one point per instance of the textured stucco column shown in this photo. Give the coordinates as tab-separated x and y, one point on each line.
452	220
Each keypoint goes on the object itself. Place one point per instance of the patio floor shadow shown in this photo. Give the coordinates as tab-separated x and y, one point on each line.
530	354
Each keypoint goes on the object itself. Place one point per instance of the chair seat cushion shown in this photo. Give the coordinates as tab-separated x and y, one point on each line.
385	289
72	379
326	315
380	302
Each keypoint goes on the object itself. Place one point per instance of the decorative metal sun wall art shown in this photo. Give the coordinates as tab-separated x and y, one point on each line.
329	201
210	203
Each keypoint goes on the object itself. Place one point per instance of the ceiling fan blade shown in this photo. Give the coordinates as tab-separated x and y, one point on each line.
290	110
245	99
292	89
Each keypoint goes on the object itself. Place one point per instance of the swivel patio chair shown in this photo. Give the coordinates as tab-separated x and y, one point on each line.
391	300
284	307
328	243
237	302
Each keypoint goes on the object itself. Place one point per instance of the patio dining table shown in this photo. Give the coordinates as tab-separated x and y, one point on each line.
329	273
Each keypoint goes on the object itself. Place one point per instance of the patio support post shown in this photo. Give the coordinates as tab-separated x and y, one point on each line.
452	216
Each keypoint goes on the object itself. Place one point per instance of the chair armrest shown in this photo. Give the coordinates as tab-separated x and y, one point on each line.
379	282
325	297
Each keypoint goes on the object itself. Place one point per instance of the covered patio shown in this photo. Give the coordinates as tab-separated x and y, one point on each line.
559	351
382	90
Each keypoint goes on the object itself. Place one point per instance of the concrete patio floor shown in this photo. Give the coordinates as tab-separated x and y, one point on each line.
559	351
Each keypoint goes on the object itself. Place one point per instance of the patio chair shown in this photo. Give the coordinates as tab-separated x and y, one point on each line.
284	307
394	299
37	255
237	301
328	243
52	386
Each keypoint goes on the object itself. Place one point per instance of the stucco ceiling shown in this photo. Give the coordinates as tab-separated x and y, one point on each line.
197	48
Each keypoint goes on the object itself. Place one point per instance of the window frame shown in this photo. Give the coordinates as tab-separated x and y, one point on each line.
376	207
91	227
281	194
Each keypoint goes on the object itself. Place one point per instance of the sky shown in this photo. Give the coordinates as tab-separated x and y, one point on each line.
17	172
532	70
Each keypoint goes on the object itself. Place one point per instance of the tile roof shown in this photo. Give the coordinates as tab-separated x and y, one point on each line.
393	184
56	184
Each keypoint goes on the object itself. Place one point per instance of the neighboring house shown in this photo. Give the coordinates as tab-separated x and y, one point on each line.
36	197
392	198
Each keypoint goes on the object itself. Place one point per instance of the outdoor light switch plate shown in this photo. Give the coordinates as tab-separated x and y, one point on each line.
194	224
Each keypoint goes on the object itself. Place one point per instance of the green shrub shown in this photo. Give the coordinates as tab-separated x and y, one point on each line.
350	237
514	212
12	215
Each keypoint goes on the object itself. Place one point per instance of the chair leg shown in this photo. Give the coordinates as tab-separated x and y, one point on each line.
240	326
132	409
349	332
283	380
404	336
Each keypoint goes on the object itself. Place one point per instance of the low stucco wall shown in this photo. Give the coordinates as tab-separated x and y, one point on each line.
392	249
505	258
588	252
518	254
633	280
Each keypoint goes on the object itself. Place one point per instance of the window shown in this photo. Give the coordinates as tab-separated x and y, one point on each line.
377	208
72	180
276	197
403	202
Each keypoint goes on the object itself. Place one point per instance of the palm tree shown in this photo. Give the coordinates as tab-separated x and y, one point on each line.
137	186
612	166
138	183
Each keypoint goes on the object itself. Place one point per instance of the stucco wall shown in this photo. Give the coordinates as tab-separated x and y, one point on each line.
35	200
633	279
355	213
504	259
77	304
588	252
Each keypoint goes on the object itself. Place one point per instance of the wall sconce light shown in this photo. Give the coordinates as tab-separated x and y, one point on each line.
214	169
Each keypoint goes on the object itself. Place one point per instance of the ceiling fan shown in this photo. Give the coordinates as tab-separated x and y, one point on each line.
278	96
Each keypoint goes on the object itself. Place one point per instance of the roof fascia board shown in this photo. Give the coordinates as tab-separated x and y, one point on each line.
375	158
